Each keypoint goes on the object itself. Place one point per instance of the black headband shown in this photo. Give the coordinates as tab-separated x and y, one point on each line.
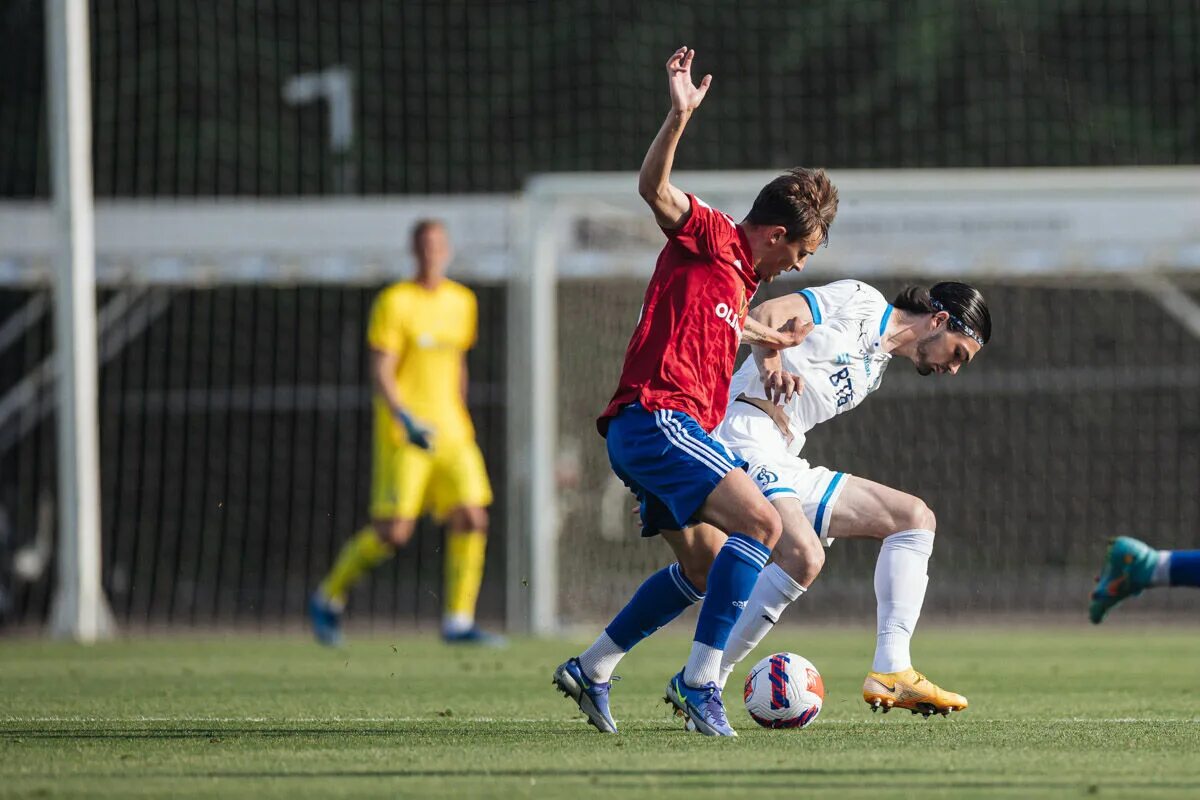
956	323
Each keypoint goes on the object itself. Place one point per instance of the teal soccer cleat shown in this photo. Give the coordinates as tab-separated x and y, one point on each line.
701	705
1128	568
591	696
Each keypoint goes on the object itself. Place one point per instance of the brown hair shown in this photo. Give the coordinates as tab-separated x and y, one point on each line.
802	200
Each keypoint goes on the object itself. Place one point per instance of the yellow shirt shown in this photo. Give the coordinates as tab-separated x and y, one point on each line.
430	330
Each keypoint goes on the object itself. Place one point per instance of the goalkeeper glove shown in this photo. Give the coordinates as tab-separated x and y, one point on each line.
418	433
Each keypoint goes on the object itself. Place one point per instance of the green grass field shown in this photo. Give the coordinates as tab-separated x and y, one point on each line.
1066	712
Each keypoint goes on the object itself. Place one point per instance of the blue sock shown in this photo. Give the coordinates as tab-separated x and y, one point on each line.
1185	568
661	598
730	581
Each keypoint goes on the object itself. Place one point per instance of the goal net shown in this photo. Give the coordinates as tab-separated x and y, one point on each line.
1080	420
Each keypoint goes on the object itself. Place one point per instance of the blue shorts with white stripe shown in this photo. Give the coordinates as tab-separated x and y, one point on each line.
669	462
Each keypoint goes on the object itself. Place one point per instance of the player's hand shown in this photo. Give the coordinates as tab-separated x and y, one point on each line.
685	96
418	432
793	332
781	385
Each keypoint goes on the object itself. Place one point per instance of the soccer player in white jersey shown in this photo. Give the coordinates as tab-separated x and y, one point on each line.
856	334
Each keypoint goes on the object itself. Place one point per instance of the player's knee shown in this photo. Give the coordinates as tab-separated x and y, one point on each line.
469	518
915	515
395	532
802	559
695	568
765	524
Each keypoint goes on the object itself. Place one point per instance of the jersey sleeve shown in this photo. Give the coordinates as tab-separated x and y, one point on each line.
470	319
840	299
385	331
706	231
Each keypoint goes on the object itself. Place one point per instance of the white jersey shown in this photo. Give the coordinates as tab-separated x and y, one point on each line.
840	362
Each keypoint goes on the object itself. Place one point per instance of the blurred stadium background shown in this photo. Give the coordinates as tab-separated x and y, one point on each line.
256	167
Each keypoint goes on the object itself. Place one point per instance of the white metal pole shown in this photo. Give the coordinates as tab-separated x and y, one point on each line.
518	439
80	610
533	421
543	406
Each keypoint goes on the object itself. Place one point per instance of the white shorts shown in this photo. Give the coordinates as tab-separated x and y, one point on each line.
753	435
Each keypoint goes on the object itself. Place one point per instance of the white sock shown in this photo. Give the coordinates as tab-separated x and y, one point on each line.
457	623
703	666
900	582
599	660
1162	572
774	591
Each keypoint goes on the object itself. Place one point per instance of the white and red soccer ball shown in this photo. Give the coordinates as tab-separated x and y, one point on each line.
784	690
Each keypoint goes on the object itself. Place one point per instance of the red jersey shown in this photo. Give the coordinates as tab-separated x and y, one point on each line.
682	353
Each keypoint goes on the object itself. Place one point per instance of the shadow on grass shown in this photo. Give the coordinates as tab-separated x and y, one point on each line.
205	733
750	778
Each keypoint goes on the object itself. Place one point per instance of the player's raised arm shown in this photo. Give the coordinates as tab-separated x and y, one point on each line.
670	205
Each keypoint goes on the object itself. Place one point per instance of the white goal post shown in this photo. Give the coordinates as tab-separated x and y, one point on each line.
1138	225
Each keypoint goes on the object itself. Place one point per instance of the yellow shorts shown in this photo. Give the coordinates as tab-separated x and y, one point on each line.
407	481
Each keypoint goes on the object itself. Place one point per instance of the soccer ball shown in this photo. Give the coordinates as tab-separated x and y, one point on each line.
784	691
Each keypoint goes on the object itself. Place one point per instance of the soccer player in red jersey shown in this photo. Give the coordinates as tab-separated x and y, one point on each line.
673	391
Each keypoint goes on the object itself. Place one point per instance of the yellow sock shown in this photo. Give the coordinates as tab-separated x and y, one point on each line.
363	552
465	551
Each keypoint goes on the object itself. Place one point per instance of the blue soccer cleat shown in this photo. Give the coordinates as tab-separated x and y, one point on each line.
701	705
591	697
326	620
474	635
1128	568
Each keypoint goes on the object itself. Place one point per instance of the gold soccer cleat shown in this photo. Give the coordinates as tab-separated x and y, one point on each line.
912	690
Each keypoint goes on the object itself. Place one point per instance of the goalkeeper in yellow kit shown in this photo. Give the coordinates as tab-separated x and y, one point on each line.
425	458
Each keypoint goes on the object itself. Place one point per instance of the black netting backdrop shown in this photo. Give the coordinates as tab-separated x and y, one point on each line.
235	422
235	429
475	95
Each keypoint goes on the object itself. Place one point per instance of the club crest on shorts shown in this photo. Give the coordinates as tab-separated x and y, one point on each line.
764	476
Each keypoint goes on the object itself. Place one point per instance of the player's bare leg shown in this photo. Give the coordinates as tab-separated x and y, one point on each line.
366	550
736	505
905	526
798	558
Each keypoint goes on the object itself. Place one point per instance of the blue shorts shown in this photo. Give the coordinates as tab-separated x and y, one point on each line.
669	462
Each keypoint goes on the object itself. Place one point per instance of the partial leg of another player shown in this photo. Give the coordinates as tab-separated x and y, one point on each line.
1131	566
798	559
868	510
